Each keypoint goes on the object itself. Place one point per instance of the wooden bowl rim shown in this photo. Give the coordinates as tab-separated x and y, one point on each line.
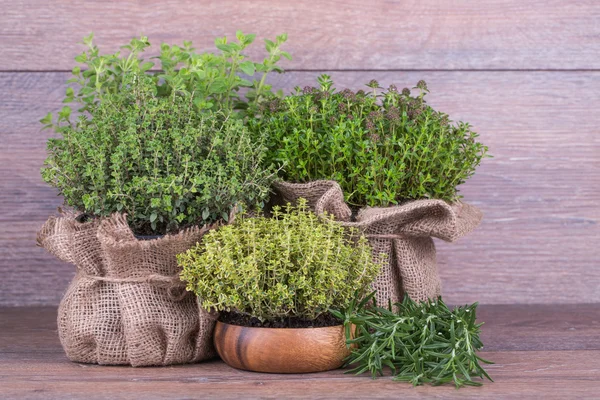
336	327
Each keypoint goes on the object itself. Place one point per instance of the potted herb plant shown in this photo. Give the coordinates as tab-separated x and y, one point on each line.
161	156
273	280
380	160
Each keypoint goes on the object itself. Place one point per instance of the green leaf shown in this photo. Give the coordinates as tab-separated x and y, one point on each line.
146	66
64	113
226	48
269	45
221	40
47	120
407	341
87	40
390	146
153	217
282	38
218	86
250	38
248	67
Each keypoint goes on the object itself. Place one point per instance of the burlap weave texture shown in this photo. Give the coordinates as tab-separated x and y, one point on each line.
126	304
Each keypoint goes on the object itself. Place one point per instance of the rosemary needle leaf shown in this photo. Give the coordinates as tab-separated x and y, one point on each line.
419	342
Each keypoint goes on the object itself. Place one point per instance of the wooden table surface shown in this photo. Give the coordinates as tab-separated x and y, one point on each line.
540	351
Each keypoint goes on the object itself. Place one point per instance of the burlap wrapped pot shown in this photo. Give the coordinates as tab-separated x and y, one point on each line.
126	304
401	236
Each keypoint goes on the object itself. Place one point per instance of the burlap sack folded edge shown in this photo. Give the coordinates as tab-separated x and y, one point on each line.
55	232
59	233
123	236
400	235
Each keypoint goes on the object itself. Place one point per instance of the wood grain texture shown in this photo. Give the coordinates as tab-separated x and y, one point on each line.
538	242
37	368
381	34
283	351
523	375
511	327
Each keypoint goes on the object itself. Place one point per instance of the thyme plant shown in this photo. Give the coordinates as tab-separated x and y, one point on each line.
420	342
381	146
294	265
157	159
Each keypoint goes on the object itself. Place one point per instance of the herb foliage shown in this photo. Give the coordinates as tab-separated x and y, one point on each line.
216	79
381	146
157	159
213	80
420	342
161	146
294	265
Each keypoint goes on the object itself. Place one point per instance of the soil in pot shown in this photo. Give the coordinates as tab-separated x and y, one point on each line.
233	318
281	350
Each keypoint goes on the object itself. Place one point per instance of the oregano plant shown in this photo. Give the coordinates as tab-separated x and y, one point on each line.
213	80
216	79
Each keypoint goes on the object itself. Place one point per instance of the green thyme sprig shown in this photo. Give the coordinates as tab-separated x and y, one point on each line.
420	342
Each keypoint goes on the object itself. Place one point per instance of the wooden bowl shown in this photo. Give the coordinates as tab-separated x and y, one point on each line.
281	350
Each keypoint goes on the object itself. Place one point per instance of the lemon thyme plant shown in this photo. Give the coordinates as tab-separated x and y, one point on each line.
381	146
157	159
420	342
294	265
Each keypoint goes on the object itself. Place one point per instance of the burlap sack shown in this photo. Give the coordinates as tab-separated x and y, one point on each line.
126	304
401	236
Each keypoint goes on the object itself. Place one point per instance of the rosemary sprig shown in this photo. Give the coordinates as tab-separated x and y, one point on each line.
420	342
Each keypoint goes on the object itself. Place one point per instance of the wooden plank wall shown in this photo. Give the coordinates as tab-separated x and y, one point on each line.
525	74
